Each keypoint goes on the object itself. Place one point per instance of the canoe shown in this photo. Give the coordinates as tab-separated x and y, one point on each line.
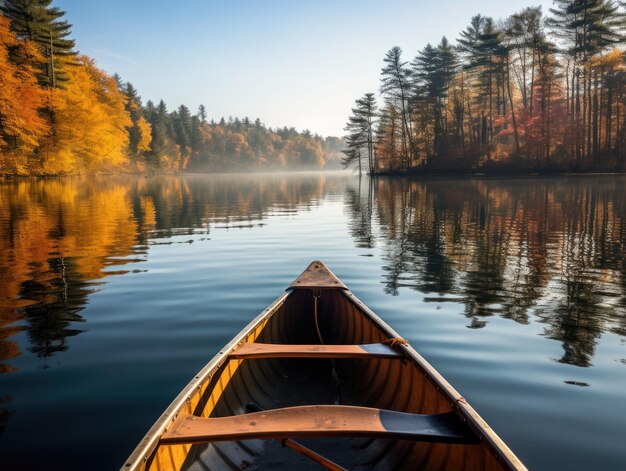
318	381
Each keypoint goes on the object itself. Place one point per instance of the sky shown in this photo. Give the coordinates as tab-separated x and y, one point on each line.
298	63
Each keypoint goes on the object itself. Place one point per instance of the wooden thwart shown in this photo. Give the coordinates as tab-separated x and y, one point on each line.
271	350
320	421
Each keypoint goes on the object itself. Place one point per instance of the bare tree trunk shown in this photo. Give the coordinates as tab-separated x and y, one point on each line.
508	81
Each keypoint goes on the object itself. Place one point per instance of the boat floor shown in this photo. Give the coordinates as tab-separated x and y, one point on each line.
291	385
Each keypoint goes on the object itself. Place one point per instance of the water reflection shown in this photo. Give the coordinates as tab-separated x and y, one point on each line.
548	255
551	248
60	238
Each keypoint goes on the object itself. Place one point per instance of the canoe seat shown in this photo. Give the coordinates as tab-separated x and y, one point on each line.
320	421
272	350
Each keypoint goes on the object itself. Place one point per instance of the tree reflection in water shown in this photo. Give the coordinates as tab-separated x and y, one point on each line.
547	250
550	249
60	238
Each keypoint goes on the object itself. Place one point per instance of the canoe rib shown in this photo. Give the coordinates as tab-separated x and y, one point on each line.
270	350
321	421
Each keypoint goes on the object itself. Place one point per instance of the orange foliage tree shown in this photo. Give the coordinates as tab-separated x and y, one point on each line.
21	98
89	123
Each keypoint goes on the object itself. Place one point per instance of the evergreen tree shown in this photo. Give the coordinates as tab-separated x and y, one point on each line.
158	118
202	114
486	58
352	154
433	70
38	21
133	107
395	86
360	141
182	128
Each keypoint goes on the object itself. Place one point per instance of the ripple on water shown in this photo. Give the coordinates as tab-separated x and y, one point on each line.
114	292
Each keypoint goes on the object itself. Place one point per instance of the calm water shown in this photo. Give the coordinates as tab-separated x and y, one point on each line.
115	291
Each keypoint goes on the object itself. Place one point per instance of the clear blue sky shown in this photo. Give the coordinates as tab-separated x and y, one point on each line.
300	63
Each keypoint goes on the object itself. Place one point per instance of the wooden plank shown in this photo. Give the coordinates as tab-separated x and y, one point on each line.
271	350
320	421
303	450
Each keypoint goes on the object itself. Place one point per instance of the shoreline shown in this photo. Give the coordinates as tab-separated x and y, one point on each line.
413	174
494	174
11	177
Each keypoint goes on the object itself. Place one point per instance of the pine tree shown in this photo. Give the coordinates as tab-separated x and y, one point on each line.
352	154
38	21
202	114
395	85
433	70
133	107
158	118
361	130
181	119
486	59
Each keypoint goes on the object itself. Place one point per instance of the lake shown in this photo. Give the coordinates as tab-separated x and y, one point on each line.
115	291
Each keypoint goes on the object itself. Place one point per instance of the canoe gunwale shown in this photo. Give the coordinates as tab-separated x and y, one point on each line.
466	412
150	441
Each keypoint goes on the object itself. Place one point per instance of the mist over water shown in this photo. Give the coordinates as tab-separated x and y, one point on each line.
114	292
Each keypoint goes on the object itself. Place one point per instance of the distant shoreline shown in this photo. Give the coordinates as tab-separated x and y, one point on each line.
390	175
9	177
492	174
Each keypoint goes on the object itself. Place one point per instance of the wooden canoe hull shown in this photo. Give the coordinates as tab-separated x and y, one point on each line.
227	385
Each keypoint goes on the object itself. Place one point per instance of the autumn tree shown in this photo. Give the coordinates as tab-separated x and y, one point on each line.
522	93
21	125
585	28
91	122
61	114
387	134
139	132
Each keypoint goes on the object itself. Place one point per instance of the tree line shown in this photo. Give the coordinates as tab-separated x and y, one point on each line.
60	114
182	140
529	92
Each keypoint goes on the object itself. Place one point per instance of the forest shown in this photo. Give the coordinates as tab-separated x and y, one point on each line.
61	114
528	93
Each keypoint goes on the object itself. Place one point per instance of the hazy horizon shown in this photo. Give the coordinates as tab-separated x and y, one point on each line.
296	64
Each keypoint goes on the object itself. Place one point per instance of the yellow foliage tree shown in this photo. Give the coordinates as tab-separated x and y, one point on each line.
146	137
21	125
89	124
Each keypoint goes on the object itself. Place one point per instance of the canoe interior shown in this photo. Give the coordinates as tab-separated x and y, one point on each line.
274	383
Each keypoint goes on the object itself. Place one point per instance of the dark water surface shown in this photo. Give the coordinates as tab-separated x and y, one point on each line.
114	292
